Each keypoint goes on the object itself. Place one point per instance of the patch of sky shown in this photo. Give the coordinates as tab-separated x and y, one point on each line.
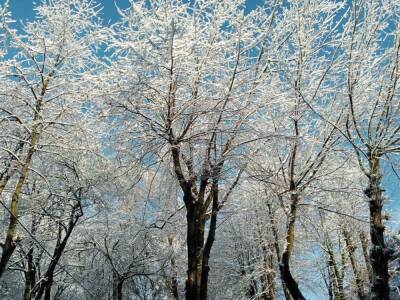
391	184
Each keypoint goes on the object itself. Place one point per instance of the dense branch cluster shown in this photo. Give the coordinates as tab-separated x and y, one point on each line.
199	150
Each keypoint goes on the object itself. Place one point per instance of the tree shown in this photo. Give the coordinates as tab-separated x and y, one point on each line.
303	70
204	148
185	78
45	79
371	94
46	76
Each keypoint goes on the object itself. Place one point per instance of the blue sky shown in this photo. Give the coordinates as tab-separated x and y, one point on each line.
23	9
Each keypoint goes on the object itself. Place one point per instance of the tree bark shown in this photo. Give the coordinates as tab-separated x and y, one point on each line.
195	242
117	287
9	171
364	245
284	265
10	242
197	203
210	240
11	239
29	275
330	284
277	248
379	253
173	280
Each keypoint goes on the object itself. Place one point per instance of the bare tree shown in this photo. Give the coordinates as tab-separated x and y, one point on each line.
372	127
45	85
188	78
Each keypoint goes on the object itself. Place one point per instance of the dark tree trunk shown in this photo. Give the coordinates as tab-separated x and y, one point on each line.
209	241
332	283
290	282
119	289
277	248
197	204
341	272
30	275
118	283
8	249
379	253
195	242
331	280
284	266
251	291
47	293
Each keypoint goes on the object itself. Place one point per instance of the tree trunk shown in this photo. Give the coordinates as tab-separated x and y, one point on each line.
364	245
117	287
357	274
11	239
46	284
10	242
341	272
195	242
29	275
210	240
9	171
336	277
47	293
277	248
330	284
284	265
379	253
173	280
267	277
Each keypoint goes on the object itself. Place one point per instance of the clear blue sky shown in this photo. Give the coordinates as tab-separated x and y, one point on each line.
23	9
